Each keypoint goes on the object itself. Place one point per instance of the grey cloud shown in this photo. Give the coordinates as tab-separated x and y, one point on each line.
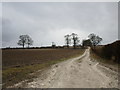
53	20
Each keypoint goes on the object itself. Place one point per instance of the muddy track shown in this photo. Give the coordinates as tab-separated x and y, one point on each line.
79	72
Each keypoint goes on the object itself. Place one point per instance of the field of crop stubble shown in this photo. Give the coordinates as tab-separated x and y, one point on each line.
17	64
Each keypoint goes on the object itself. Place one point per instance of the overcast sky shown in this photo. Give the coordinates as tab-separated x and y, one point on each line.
49	22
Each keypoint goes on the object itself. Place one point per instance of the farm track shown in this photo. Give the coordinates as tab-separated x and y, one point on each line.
79	72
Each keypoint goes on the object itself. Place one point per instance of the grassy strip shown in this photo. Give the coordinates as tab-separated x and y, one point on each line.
107	63
14	75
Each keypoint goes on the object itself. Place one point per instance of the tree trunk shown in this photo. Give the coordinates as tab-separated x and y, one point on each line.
67	46
74	44
23	45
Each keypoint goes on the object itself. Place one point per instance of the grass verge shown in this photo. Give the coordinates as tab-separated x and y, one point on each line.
105	62
14	75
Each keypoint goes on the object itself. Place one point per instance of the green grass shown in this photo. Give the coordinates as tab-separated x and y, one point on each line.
14	75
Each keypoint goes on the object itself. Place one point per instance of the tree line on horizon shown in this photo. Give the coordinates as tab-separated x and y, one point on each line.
73	38
93	40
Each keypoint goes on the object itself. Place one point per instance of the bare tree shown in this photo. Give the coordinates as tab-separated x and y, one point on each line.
67	39
29	41
95	40
75	39
25	39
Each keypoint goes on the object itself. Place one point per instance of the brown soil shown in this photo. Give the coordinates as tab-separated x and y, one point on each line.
18	58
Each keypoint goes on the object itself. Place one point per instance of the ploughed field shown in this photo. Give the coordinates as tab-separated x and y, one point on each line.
18	58
17	64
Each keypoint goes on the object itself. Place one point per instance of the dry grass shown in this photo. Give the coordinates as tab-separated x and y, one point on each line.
18	64
106	62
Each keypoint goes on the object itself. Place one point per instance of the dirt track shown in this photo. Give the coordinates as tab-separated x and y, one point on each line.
78	72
